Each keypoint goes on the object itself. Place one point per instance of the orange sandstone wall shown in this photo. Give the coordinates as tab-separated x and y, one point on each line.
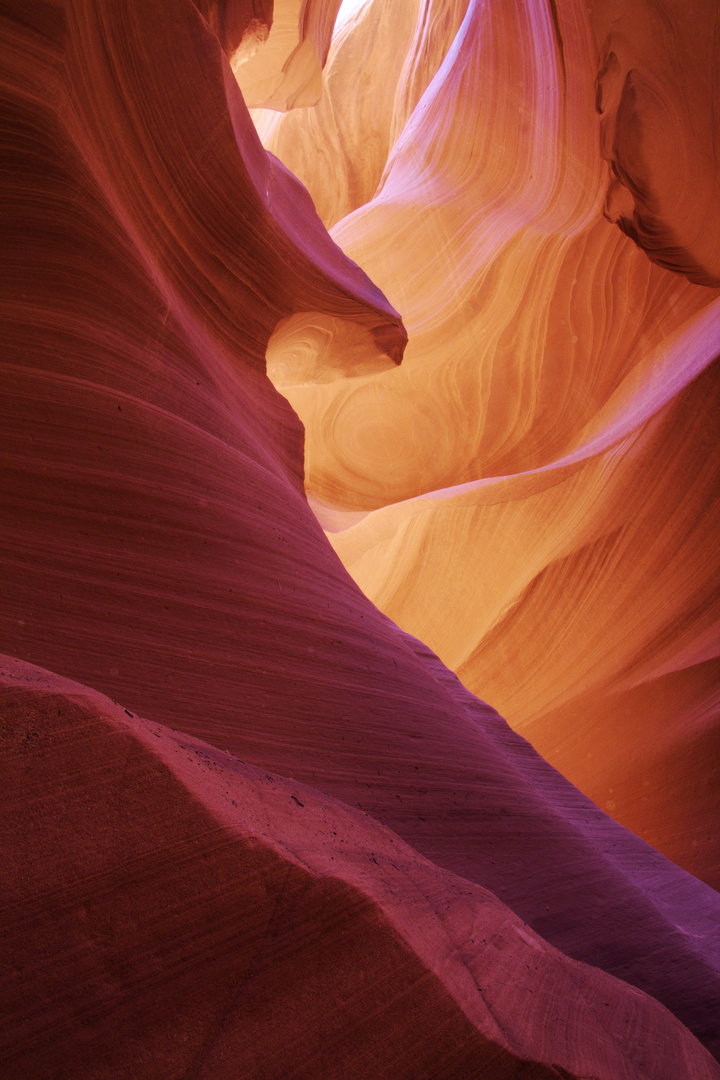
158	547
534	492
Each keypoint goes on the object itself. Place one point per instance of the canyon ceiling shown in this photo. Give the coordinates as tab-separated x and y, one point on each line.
360	545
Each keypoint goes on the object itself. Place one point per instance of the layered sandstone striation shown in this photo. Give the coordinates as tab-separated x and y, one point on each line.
179	908
157	546
534	493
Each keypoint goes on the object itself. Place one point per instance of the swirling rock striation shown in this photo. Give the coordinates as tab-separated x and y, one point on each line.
534	493
187	914
158	547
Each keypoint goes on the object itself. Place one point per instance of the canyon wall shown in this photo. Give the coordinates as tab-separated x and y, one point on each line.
534	493
213	887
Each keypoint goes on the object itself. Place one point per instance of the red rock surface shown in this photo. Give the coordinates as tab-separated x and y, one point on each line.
177	912
158	547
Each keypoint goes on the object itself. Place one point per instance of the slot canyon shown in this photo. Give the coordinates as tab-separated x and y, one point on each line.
360	540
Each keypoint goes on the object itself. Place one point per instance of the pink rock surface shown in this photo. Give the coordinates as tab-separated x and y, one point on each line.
157	544
172	911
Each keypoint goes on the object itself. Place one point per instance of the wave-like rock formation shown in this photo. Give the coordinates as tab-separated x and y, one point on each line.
180	908
282	68
157	546
535	492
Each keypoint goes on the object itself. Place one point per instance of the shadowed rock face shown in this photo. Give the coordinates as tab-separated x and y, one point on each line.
241	26
157	546
658	97
182	912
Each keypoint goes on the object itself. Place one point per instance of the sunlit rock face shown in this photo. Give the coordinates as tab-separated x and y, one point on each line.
534	493
171	913
283	69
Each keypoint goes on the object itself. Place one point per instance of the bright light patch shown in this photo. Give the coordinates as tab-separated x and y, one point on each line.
347	8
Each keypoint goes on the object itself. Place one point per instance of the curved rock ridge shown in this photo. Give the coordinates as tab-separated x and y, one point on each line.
171	911
156	541
644	534
309	348
339	148
381	60
241	26
534	493
184	177
283	69
661	134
